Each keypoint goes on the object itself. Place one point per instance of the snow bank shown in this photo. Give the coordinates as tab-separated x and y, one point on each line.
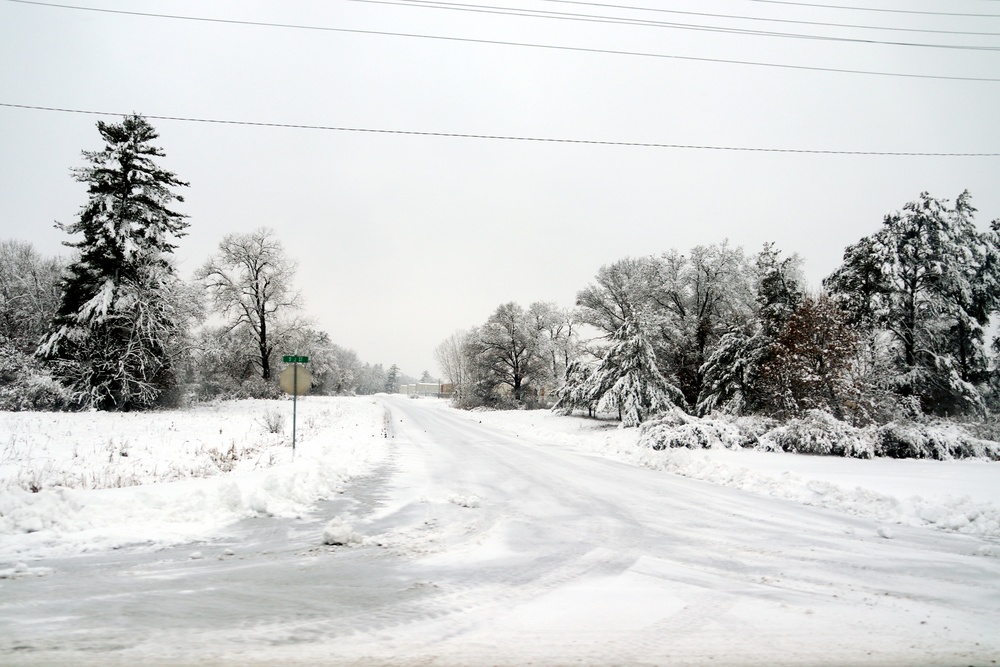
179	488
955	495
965	501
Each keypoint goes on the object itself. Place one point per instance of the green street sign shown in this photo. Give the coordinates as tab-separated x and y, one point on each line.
294	360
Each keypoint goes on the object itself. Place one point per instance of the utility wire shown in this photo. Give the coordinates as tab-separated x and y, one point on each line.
470	40
550	140
771	20
589	18
874	9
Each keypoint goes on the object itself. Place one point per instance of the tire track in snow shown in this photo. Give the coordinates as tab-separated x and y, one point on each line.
446	596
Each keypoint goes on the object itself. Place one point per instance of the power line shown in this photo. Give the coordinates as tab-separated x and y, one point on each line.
588	18
874	9
550	140
470	40
773	20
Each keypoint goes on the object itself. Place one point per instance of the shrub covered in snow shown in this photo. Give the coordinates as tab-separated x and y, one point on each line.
908	440
26	385
819	432
987	429
254	387
676	430
753	428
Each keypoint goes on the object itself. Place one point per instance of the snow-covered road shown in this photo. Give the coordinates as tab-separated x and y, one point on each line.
484	547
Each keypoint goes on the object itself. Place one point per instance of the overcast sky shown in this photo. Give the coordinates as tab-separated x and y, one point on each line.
402	239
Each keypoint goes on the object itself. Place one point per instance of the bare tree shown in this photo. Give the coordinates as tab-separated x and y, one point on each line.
558	339
453	362
507	348
29	293
250	281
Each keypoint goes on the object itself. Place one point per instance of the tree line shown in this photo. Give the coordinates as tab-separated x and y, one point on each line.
899	329
115	328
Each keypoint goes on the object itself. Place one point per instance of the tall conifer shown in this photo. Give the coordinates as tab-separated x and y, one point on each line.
118	317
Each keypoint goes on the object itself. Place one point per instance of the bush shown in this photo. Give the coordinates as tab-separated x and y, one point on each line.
752	429
272	421
474	402
988	429
941	441
678	430
27	385
819	432
259	388
254	387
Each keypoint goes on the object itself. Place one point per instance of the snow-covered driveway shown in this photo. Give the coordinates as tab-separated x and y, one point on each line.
482	547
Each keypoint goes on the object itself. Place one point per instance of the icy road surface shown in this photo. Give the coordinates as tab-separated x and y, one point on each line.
482	547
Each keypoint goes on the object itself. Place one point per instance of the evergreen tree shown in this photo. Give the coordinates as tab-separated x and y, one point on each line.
779	288
572	395
112	336
927	279
733	371
628	380
392	380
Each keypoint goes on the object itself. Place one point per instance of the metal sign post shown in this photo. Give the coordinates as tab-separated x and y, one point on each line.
295	401
295	382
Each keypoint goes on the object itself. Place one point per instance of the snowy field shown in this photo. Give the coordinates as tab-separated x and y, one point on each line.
76	482
405	532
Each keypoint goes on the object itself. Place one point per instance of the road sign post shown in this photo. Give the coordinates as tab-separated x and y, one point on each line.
295	382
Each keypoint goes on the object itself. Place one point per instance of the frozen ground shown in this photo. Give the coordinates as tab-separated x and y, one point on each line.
494	539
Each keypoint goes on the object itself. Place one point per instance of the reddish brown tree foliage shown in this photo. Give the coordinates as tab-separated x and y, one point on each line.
811	364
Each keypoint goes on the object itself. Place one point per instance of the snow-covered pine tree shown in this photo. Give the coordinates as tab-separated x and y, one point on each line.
779	287
119	316
628	380
732	372
927	279
392	380
572	395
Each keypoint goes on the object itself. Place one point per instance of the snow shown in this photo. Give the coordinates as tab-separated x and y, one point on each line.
956	495
500	538
196	471
339	532
107	480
